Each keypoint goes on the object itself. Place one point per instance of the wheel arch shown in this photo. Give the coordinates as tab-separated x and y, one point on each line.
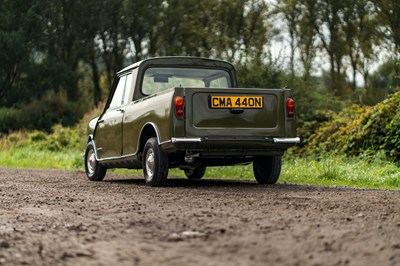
149	130
90	139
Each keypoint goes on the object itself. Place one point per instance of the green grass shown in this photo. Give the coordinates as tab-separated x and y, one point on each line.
342	171
28	157
329	170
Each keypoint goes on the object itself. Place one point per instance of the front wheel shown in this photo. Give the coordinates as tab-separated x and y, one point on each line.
155	163
196	172
94	170
267	169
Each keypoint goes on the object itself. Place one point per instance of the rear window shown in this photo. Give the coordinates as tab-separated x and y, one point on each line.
157	79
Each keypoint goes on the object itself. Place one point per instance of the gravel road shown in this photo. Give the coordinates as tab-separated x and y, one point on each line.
50	217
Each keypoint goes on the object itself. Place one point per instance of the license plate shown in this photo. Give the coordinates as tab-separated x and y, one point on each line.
249	102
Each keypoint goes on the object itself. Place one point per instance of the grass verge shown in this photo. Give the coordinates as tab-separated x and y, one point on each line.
329	170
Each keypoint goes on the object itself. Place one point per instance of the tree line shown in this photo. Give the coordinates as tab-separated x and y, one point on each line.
353	35
58	58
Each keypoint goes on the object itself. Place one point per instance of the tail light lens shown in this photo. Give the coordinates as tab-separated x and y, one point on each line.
290	107
179	105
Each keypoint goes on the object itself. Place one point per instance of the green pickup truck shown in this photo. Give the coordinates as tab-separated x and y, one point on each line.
187	113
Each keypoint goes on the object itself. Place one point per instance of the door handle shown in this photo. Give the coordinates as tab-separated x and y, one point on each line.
120	110
100	121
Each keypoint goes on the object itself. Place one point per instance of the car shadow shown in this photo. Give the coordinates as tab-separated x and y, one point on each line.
174	182
184	182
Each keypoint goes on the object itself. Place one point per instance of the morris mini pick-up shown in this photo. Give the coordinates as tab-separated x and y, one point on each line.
188	113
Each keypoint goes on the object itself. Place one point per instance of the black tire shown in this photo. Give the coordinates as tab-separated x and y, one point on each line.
267	169
155	164
94	170
196	172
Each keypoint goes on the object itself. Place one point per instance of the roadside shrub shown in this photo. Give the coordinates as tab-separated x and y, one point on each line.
14	140
360	130
37	136
379	130
45	113
59	139
8	119
66	137
334	135
56	139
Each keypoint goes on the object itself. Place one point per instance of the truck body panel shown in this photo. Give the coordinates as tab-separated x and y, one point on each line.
202	120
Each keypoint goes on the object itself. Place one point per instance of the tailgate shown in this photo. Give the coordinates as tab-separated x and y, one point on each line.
234	112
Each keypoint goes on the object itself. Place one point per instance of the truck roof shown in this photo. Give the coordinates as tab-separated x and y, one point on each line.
181	61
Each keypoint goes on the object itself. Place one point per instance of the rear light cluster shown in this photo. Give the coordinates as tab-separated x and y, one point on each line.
290	107
179	107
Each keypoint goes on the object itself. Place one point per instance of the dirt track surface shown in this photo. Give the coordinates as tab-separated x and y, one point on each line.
50	217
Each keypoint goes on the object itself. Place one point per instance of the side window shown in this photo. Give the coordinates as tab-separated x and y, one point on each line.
127	88
118	94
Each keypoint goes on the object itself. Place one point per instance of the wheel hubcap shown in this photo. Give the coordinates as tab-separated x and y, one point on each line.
150	166
91	162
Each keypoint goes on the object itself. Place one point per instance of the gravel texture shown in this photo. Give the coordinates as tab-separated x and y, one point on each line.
50	217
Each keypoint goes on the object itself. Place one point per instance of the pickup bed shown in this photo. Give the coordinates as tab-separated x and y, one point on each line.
188	113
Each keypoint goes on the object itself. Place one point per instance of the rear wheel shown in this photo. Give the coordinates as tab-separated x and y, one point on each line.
155	163
267	169
94	170
196	172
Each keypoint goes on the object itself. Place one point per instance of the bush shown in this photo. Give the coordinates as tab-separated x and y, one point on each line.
45	113
360	129
8	120
379	129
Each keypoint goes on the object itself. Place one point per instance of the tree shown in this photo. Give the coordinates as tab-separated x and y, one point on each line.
110	39
389	14
235	30
183	28
71	29
240	30
142	22
329	28
360	33
301	18
21	30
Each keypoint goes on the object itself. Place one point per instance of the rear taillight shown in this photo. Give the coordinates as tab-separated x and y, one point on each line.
179	105
290	107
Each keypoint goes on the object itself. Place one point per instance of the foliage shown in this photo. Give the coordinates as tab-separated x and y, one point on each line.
333	134
8	119
59	138
43	114
383	82
21	28
251	75
379	130
359	130
50	47
347	32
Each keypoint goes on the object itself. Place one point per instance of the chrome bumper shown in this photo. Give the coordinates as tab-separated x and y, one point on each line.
185	140
287	140
198	140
